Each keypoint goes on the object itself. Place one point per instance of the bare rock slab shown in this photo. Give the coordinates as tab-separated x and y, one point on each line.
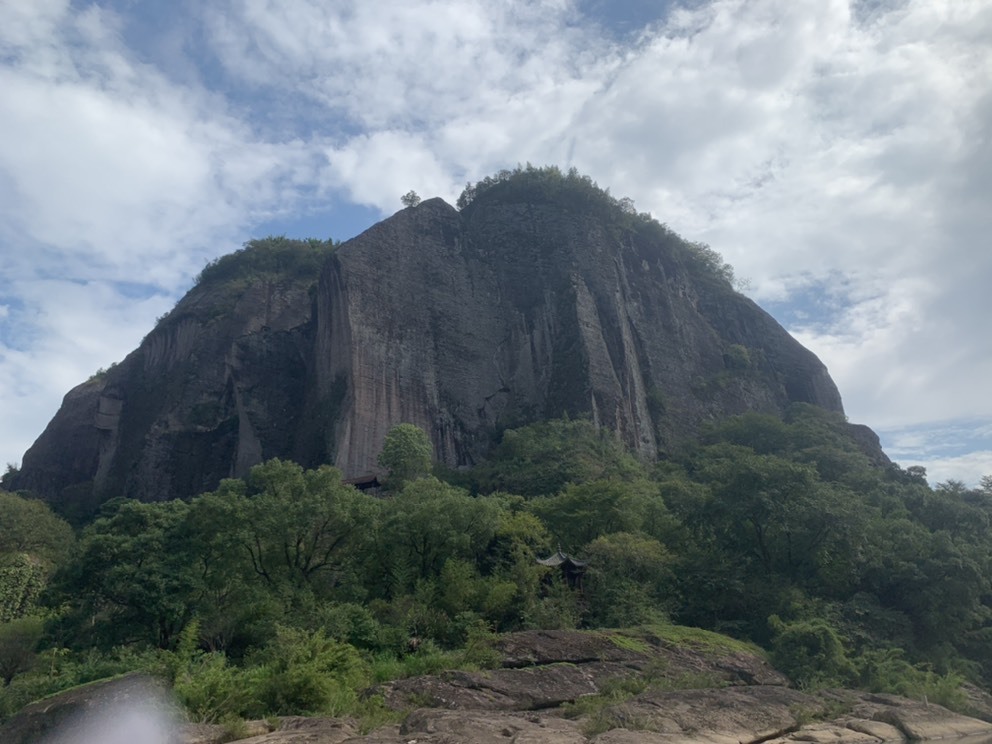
732	714
447	727
536	688
918	720
299	730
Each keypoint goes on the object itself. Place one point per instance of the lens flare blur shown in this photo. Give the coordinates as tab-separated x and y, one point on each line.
146	716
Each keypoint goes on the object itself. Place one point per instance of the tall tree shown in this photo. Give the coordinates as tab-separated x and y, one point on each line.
133	579
301	528
407	454
430	522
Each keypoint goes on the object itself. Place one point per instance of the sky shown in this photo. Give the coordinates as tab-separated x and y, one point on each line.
836	152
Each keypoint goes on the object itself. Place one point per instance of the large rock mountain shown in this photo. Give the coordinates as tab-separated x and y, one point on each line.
535	300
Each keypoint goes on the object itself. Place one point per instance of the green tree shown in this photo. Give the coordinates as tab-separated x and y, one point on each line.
239	559
581	513
235	608
937	580
542	458
430	522
410	199
29	526
407	454
297	528
10	474
811	652
133	579
33	543
771	511
629	580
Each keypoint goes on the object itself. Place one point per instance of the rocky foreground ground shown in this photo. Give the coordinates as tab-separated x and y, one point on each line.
564	687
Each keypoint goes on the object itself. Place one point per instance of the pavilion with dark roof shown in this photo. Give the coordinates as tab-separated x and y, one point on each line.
571	569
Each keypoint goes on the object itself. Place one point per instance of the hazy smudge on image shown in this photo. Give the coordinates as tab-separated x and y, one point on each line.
145	715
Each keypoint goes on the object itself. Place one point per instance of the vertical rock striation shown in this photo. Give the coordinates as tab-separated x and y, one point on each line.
520	312
462	322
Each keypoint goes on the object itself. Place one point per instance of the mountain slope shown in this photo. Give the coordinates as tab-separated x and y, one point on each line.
541	297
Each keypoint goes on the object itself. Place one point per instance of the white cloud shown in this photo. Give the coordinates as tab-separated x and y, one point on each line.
30	25
967	468
949	450
396	63
845	166
406	159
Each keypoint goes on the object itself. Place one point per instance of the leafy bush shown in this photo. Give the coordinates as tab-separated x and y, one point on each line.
558	608
887	670
21	582
629	582
350	623
303	673
212	691
811	653
18	641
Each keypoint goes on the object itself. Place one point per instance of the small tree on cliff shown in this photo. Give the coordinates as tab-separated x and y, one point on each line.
410	199
407	453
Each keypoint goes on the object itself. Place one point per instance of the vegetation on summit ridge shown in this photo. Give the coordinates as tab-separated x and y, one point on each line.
574	191
272	256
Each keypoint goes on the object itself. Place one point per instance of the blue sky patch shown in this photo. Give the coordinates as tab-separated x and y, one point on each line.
818	304
340	221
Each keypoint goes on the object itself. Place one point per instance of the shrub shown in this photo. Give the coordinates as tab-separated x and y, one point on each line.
558	609
350	623
303	673
211	691
886	670
18	640
811	653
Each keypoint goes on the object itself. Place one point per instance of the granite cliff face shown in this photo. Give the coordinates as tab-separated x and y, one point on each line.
218	384
465	323
462	322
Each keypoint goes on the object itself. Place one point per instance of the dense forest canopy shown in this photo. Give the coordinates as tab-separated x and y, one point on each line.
776	531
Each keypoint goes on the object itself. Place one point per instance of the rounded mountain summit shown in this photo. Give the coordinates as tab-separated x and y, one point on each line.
539	297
